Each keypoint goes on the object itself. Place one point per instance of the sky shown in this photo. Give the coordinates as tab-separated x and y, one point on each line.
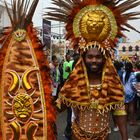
37	19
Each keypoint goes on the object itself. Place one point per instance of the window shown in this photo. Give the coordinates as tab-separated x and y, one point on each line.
136	48
130	49
123	48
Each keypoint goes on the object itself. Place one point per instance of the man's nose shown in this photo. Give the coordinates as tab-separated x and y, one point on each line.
94	59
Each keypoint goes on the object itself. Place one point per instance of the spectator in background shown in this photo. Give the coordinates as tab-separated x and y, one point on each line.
129	80
61	75
67	66
55	75
119	67
75	58
66	70
137	86
137	66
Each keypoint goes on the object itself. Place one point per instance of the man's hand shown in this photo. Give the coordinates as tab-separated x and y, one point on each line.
67	69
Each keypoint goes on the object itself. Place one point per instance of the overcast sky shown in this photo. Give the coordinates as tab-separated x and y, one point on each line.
37	19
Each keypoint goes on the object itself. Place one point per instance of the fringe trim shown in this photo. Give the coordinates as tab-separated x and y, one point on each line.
111	106
83	106
101	47
81	134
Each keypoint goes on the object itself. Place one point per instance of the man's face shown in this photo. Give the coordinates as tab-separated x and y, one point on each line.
55	63
68	57
94	61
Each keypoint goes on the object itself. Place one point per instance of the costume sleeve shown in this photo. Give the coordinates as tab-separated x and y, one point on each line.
120	111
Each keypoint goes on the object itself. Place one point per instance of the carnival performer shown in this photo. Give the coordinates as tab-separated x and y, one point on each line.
26	105
93	88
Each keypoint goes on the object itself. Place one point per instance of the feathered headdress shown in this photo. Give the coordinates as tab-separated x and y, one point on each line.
94	22
25	81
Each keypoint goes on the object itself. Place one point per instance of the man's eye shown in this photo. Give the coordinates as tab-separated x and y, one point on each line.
90	56
98	56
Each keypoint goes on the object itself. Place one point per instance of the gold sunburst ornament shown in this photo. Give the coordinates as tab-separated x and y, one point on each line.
19	35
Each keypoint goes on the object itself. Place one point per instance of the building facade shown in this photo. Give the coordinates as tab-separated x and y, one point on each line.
4	18
129	49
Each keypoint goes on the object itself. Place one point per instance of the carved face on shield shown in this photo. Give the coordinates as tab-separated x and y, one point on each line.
22	107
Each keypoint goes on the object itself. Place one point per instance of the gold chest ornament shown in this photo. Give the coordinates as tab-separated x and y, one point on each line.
94	91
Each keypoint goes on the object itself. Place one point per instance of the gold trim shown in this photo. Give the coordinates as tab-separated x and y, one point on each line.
120	112
81	134
41	89
16	129
19	35
16	81
82	106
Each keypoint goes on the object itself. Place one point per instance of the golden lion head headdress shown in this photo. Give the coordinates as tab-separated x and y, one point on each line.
92	23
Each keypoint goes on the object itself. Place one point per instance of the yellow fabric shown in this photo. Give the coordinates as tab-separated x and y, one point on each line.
120	112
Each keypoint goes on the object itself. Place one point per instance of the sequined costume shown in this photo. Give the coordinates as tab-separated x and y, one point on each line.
93	24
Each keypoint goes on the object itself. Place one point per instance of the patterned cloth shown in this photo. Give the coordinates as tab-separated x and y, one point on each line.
129	87
90	125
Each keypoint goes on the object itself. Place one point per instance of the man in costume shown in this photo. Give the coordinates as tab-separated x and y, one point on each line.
93	89
25	95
